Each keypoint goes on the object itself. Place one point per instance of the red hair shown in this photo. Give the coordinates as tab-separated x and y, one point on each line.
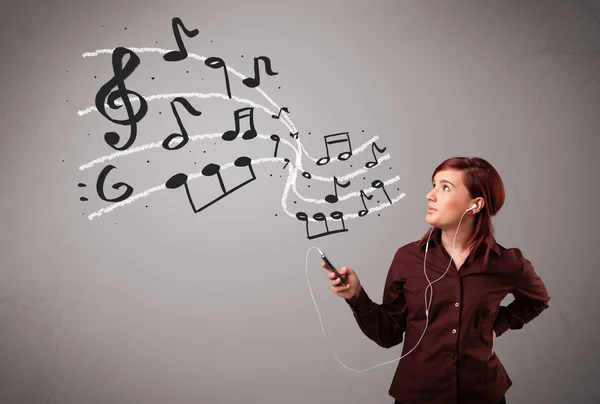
481	180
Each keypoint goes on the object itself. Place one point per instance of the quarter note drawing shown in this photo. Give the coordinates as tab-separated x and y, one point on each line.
378	184
345	138
279	114
100	186
181	53
255	82
276	139
120	74
364	211
334	198
210	170
217	63
320	217
183	135
240	114
371	164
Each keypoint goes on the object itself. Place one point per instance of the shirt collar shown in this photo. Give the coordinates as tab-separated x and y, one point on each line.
436	240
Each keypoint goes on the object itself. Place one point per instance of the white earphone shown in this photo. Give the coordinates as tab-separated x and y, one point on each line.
474	206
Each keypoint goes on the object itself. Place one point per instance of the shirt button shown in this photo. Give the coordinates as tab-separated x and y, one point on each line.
454	331
456	304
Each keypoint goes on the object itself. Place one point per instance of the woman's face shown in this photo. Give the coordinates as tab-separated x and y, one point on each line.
450	198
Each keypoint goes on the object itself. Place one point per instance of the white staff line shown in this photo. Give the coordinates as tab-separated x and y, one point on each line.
290	179
194	138
225	97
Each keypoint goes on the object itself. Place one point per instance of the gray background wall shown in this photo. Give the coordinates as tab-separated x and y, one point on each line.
151	303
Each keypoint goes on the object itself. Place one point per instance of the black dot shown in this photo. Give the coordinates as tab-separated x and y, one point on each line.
204	151
125	27
156	41
159	112
202	78
147	161
378	214
146	205
309	133
279	88
309	186
270	175
350	165
363	130
152	78
95	77
195	162
88	134
364	178
187	71
82	213
67	100
63	161
377	201
390	168
275	214
67	71
243	56
211	40
295	202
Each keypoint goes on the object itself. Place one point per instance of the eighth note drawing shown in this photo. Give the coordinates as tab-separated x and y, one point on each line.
279	114
175	56
342	156
320	217
276	139
217	63
250	133
209	170
183	135
255	82
364	211
371	164
334	198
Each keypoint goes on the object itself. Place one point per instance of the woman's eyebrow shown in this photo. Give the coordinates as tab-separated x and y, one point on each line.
447	182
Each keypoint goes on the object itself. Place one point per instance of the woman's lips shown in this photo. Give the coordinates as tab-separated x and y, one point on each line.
431	210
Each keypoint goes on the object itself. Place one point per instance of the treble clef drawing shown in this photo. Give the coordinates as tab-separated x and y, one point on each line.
106	93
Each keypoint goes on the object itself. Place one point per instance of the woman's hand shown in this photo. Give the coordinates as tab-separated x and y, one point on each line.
352	287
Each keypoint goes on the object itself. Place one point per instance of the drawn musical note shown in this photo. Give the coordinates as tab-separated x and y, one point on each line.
254	82
320	217
183	135
371	164
175	56
105	93
100	186
342	156
209	170
379	184
334	198
250	133
306	175
275	138
217	63
294	135
279	114
287	161
364	211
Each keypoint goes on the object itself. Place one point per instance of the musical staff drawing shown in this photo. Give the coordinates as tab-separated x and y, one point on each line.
181	53
100	186
364	211
279	114
334	198
255	82
218	63
342	156
240	114
120	74
183	135
371	164
320	217
210	170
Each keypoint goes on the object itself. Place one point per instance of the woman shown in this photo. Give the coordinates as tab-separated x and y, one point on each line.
442	294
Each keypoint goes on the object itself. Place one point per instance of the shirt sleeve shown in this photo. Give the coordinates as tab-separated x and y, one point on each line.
383	323
531	298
